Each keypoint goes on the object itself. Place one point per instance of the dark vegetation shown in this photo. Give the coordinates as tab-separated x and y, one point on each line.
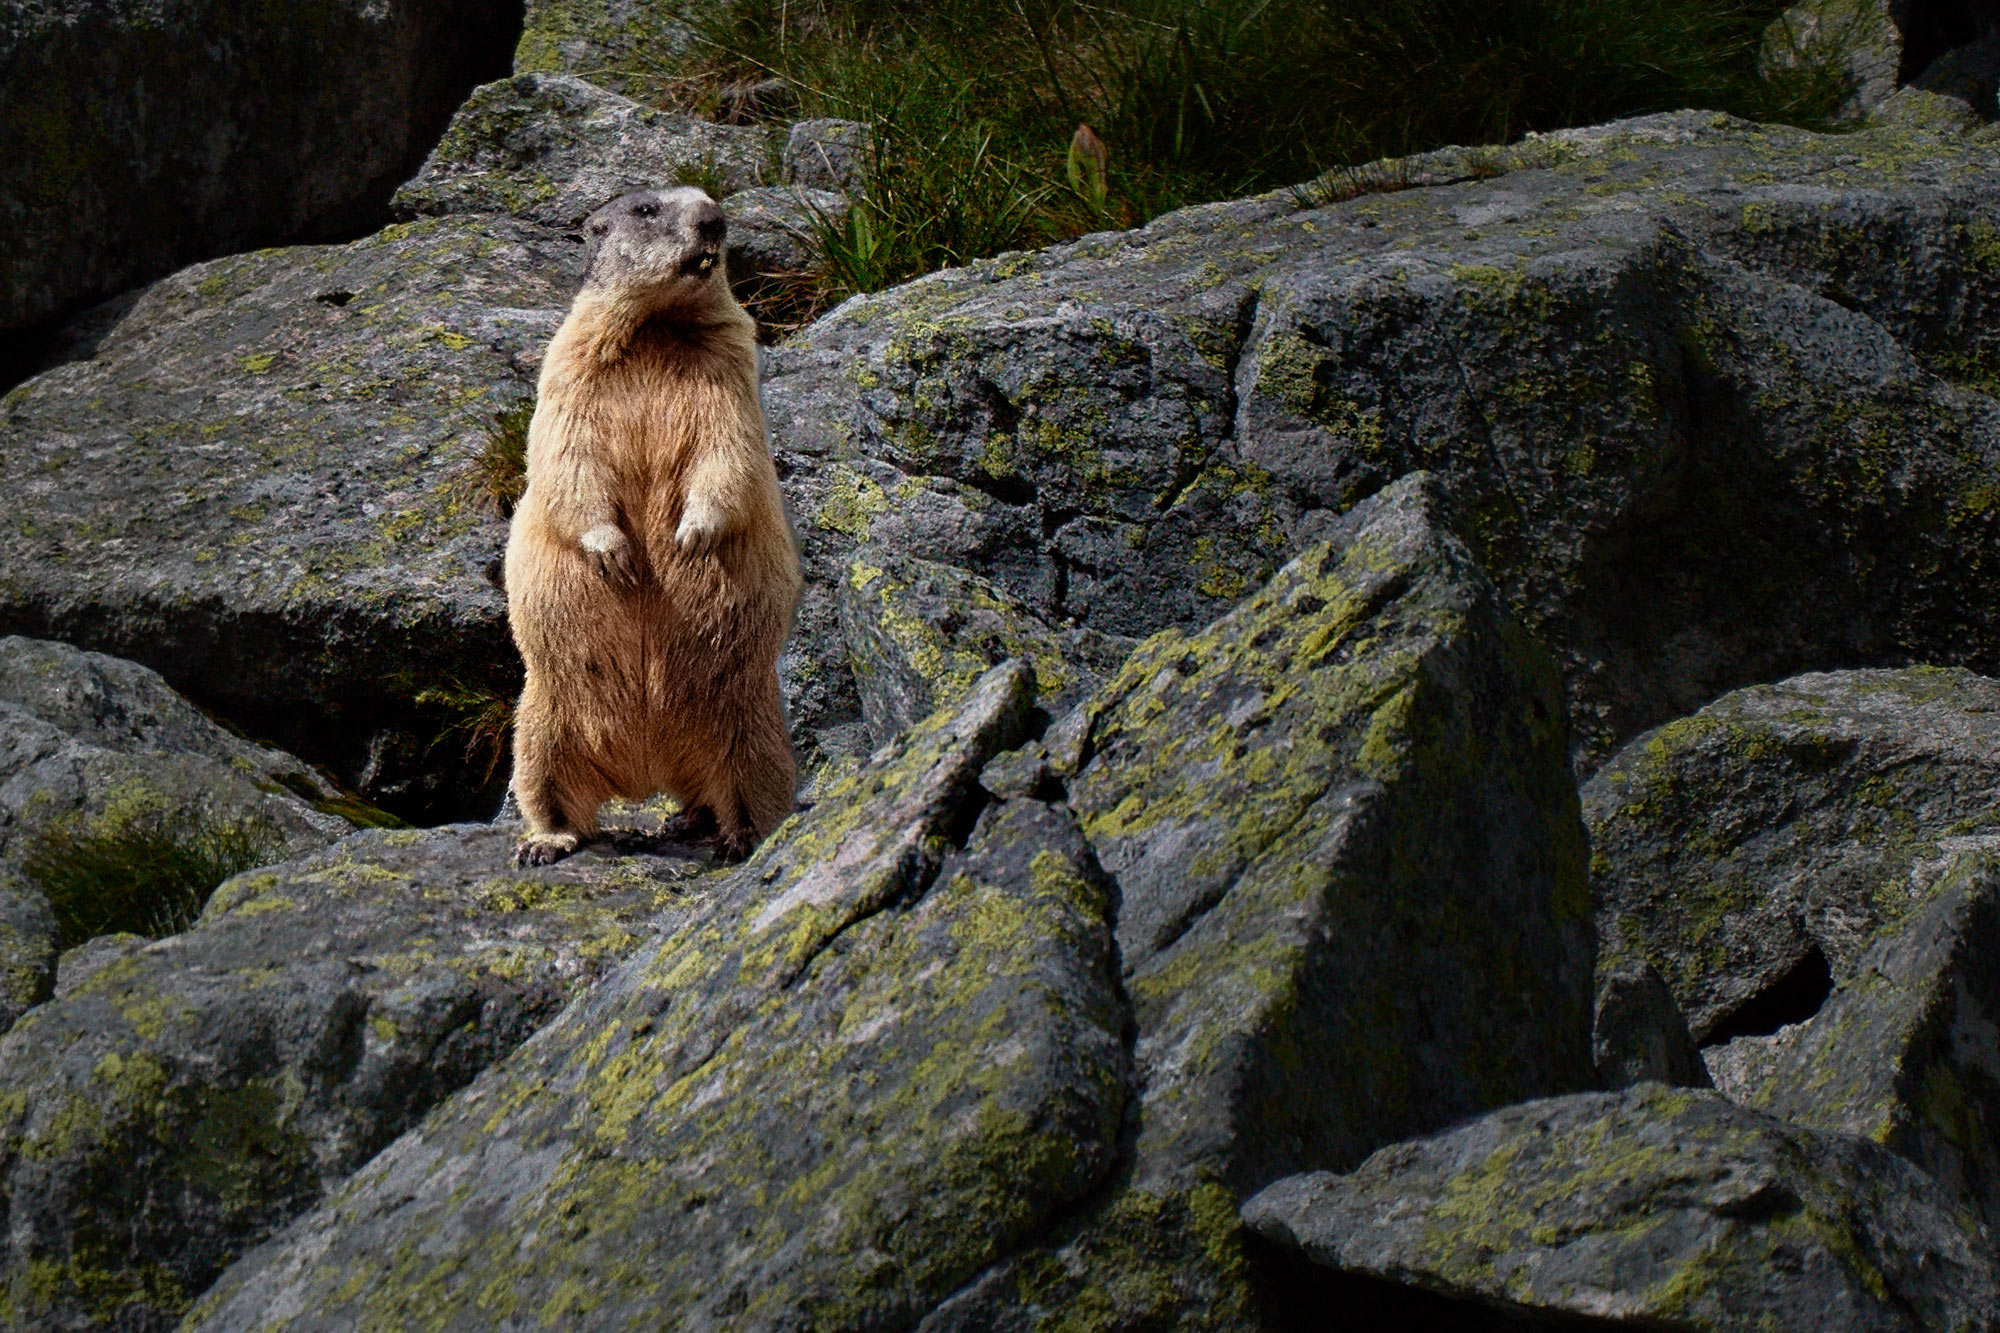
150	874
976	104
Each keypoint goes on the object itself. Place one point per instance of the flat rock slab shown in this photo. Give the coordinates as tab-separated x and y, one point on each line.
1904	1051
184	1098
1779	826
263	486
1352	904
1650	1208
146	136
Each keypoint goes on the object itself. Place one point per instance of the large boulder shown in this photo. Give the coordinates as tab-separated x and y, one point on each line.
1725	373
181	1100
1904	1050
267	486
616	43
1757	845
871	1061
143	136
1352	905
551	148
1651	1208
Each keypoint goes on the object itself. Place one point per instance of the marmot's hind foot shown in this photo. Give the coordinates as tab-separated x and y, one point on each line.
544	849
734	845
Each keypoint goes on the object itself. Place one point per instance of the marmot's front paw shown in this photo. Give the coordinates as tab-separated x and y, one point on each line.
610	554
701	528
544	849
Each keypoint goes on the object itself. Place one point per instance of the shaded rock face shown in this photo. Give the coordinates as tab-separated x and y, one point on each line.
181	1099
1875	46
1906	1051
1351	904
1764	839
151	135
929	1056
1653	1207
1638	1033
1727	374
919	633
94	750
263	486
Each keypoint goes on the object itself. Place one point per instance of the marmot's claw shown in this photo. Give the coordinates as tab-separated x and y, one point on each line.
610	555
544	849
700	530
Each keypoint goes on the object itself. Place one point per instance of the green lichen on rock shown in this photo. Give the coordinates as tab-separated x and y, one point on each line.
1783	821
1352	893
179	1101
874	1058
1657	1207
920	633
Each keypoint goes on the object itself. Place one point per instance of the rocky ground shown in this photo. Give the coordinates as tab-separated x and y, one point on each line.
1416	750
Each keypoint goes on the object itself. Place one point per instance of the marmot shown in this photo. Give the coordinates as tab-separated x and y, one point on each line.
651	570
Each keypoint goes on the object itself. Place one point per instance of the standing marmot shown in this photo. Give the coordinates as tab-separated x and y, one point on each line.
651	573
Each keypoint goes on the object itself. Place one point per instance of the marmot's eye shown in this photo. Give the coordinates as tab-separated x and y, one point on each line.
646	210
599	228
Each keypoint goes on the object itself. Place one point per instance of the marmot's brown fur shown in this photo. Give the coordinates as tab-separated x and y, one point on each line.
651	572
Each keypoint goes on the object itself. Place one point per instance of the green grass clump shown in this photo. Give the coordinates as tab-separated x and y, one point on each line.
482	717
500	472
977	105
147	875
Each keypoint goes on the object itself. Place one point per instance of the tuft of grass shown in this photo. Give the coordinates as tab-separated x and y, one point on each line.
500	473
978	106
480	716
707	175
149	875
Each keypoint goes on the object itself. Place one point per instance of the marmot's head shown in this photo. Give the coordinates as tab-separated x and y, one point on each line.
661	246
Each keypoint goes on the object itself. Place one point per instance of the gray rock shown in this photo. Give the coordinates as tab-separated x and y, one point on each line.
1731	374
1651	1208
145	135
1906	1051
920	633
86	960
99	755
1858	42
618	44
182	1099
551	148
1638	1034
29	940
866	1065
265	486
829	155
1352	905
1778	827
773	231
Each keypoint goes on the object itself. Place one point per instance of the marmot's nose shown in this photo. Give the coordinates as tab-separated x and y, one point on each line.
706	217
